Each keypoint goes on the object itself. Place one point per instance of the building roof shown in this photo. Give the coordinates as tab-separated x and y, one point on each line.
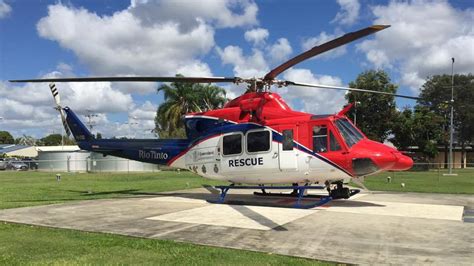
6	148
67	148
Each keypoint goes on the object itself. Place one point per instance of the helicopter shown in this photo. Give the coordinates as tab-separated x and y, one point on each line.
256	141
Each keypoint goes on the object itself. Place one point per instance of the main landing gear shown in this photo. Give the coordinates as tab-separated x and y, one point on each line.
299	192
339	191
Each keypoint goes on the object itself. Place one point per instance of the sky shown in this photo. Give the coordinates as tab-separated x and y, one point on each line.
241	38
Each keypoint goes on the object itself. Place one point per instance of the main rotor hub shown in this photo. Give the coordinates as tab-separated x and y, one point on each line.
260	84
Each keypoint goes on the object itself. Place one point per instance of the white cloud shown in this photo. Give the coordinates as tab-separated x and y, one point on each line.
5	9
314	100
144	112
423	38
257	63
148	38
140	123
323	37
29	108
280	51
253	65
136	87
256	36
221	13
120	44
98	97
349	12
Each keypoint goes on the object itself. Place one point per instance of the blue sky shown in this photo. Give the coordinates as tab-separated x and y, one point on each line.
221	38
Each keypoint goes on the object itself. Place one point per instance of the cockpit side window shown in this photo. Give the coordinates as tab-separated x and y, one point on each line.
350	134
320	138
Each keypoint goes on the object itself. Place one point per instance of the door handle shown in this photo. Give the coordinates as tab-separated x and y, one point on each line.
275	155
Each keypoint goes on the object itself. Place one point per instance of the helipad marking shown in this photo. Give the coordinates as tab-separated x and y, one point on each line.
414	210
240	216
176	199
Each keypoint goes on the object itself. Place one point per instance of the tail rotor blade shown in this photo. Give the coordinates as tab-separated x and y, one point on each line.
57	100
55	93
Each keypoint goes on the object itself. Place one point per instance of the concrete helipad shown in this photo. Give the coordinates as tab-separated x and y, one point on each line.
387	228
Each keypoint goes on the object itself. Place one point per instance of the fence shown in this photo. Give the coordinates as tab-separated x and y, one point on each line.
80	165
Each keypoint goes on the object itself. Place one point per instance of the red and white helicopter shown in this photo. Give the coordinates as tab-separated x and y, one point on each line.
257	139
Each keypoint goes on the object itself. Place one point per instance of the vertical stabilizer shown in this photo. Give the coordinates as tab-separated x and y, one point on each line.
78	129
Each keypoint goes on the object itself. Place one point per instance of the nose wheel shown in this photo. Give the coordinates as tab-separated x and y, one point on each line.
340	192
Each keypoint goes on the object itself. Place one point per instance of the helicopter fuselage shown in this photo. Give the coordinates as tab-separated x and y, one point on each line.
258	139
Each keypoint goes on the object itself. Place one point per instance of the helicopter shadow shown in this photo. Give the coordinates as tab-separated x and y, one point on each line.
232	199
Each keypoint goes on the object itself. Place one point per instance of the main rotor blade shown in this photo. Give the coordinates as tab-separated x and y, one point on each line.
349	37
135	79
291	83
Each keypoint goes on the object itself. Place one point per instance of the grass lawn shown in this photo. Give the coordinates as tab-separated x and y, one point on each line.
24	244
20	244
427	181
19	189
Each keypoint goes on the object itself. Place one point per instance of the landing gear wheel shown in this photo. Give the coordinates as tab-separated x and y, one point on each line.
340	192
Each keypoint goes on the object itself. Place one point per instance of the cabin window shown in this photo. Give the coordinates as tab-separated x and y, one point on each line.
258	141
320	138
232	144
288	139
333	143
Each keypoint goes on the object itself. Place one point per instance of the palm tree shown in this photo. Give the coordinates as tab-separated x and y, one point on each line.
181	98
211	97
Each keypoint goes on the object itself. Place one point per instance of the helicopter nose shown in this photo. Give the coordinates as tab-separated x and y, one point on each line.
403	163
385	160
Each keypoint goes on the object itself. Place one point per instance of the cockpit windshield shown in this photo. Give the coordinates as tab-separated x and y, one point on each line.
350	134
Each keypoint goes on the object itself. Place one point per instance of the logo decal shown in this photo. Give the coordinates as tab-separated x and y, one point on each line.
152	155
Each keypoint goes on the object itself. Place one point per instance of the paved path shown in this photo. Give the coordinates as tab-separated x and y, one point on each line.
381	227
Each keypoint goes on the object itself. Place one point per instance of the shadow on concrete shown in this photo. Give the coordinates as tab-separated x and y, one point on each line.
353	203
257	217
91	193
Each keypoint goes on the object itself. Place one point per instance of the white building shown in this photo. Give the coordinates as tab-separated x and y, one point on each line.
73	159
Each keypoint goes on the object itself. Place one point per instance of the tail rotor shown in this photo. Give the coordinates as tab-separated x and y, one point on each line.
57	100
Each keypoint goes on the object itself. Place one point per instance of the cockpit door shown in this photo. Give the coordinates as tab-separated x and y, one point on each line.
287	155
327	143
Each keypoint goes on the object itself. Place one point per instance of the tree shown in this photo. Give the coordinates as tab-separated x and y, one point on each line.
6	137
52	140
375	112
181	98
210	97
420	127
436	96
56	139
26	140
